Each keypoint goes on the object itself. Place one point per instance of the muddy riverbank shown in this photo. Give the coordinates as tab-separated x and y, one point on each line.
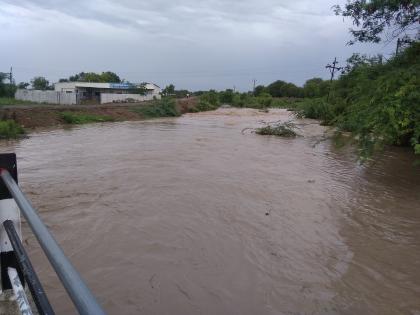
42	116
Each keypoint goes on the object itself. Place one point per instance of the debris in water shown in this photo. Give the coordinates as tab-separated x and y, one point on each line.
286	129
278	128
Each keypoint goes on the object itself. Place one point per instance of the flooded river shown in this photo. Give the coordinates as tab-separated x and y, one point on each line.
194	215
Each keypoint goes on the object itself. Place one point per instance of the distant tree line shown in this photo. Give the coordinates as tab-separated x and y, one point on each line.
104	77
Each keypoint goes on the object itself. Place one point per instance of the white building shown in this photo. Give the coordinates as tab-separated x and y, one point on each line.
93	92
67	93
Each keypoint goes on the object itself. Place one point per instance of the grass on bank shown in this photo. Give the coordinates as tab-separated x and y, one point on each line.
78	118
165	107
10	129
5	101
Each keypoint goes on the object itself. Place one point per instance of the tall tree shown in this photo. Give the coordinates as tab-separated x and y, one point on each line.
110	77
377	18
23	85
105	77
169	90
40	83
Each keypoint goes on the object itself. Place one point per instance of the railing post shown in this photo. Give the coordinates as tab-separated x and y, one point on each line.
8	211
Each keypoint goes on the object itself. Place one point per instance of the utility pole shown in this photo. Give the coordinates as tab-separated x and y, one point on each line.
11	76
253	90
332	68
398	46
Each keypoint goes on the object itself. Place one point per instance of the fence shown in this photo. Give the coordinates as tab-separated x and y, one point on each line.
50	97
16	267
126	98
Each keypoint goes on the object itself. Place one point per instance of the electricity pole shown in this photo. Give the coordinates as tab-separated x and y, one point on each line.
11	76
332	68
398	46
253	90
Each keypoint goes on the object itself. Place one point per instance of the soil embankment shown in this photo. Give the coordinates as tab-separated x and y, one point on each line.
41	115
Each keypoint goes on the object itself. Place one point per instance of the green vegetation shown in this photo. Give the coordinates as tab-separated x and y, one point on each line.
12	101
106	77
40	83
10	129
379	102
286	129
6	89
211	100
376	18
158	108
78	118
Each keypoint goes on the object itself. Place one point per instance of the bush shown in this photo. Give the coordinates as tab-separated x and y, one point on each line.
379	102
211	97
317	108
280	129
10	129
159	108
83	118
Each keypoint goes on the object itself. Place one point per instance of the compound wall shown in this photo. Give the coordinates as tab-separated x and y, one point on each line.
49	97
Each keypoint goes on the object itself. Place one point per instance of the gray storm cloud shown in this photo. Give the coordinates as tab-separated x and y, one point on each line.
193	44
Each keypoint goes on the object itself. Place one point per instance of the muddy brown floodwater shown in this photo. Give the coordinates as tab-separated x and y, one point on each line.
191	216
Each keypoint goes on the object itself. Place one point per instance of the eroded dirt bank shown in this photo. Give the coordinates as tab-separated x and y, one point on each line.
35	116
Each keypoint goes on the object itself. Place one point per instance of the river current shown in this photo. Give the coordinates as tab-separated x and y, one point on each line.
198	215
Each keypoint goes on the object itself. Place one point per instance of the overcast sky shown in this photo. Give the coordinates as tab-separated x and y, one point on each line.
194	44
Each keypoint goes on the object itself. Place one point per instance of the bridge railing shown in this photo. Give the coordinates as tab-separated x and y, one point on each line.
82	297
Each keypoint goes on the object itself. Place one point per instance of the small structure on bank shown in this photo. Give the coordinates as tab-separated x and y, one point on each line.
68	93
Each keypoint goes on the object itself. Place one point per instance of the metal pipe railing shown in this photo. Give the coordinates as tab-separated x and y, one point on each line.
19	291
80	294
37	291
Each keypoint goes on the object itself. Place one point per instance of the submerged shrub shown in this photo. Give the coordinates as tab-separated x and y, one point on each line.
285	129
10	129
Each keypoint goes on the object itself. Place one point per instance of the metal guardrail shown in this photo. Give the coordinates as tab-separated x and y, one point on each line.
37	291
80	294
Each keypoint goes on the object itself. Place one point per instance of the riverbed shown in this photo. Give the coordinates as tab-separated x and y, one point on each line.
199	215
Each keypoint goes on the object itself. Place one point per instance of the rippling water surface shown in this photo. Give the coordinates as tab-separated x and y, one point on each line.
195	215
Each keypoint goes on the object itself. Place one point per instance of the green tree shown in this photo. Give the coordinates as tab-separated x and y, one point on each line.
169	90
259	89
23	85
104	77
3	77
284	89
315	87
40	83
375	18
226	97
110	77
276	88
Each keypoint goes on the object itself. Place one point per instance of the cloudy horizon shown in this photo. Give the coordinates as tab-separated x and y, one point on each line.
195	45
